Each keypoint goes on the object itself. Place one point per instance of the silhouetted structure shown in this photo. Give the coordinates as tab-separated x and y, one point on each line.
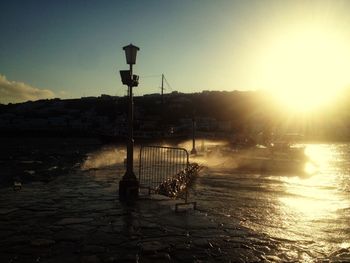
129	185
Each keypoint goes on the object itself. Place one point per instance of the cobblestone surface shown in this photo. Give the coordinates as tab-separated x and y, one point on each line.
78	218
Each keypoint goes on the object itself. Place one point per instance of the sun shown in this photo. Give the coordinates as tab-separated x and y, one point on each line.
306	69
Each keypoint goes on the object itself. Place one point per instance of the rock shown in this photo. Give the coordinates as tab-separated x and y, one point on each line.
42	242
73	220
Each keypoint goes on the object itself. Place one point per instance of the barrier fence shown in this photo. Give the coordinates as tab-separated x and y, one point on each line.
166	170
159	164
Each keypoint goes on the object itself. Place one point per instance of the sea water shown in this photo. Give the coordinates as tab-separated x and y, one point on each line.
308	214
305	212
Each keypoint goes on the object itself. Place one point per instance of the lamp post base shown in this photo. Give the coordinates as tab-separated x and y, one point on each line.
128	190
193	151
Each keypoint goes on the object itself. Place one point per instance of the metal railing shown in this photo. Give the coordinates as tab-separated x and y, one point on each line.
161	169
160	163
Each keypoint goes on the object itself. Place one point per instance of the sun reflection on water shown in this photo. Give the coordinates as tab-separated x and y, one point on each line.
314	202
308	214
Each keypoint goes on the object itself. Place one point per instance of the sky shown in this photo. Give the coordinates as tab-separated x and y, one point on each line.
71	49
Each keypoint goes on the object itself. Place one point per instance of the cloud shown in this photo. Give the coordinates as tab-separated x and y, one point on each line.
14	92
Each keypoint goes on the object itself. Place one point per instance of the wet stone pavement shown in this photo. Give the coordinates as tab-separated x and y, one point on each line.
78	218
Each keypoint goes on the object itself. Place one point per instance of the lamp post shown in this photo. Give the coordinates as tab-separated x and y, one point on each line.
129	185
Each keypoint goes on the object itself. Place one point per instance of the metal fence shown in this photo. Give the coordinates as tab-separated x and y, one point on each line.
160	163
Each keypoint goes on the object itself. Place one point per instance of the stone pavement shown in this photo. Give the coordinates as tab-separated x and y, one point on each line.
78	218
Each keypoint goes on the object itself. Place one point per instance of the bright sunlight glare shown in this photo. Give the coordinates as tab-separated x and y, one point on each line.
307	68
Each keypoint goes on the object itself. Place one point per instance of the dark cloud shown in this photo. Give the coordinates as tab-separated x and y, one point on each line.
14	92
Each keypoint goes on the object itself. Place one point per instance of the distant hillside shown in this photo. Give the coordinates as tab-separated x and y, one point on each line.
217	113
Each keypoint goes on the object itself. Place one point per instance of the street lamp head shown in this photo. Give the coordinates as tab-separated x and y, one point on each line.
135	80
130	54
125	76
129	80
